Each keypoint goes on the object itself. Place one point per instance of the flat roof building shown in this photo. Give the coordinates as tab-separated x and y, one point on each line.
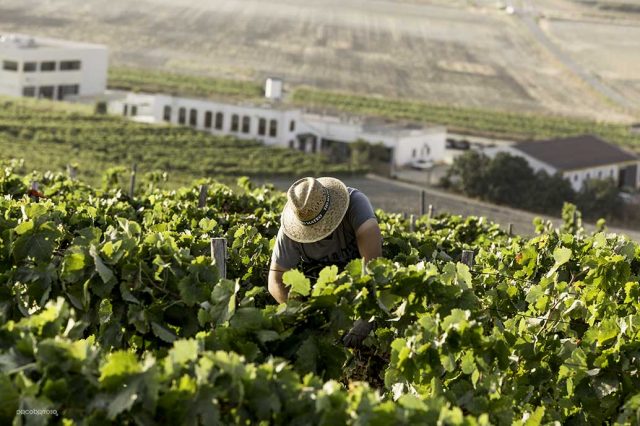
49	68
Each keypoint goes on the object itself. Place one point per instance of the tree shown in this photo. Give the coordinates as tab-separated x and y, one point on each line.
509	180
599	198
467	174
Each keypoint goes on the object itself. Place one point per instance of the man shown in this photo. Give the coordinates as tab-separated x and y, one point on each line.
323	223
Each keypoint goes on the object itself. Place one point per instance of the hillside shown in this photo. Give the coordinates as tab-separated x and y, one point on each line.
111	312
454	53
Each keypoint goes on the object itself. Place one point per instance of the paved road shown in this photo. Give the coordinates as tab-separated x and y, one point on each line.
394	196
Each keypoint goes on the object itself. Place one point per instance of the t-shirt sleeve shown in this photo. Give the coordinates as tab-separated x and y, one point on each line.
285	251
360	210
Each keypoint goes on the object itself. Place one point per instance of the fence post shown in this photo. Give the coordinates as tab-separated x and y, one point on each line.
430	212
510	229
423	196
467	258
412	223
202	200
219	255
71	171
132	183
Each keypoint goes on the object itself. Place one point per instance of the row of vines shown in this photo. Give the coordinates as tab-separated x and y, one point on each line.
111	312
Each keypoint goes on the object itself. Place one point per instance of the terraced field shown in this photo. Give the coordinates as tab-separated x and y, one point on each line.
454	53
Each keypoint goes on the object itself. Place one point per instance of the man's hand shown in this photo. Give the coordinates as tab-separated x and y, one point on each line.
358	333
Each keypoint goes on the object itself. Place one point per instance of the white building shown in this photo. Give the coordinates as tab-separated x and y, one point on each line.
578	159
274	124
49	68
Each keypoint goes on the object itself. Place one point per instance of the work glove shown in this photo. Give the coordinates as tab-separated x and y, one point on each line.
358	333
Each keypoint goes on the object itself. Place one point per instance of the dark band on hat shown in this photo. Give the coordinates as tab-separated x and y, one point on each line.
323	211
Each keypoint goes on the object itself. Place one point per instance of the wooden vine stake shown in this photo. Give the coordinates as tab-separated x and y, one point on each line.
423	198
412	223
71	171
467	258
219	255
430	212
202	200
510	229
132	183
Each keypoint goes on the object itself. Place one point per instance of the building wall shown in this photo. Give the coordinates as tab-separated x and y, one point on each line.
425	145
579	177
91	77
152	108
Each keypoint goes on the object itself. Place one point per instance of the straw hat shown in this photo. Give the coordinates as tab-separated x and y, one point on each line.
314	209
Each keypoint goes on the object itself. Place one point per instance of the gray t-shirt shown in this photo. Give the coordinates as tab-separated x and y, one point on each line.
337	249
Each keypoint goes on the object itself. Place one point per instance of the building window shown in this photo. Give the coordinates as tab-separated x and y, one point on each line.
29	91
575	178
273	128
193	117
30	67
262	127
292	126
208	119
10	65
125	110
69	65
166	113
68	90
413	153
599	174
182	115
246	124
219	120
48	66
235	122
291	144
134	110
46	92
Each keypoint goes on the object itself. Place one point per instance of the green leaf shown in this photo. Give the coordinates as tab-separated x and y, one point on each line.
118	364
328	275
105	273
297	281
162	332
9	396
223	300
535	419
73	266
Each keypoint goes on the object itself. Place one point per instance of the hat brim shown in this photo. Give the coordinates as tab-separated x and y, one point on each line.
297	231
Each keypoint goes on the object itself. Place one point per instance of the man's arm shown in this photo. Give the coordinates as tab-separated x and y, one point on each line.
276	286
369	240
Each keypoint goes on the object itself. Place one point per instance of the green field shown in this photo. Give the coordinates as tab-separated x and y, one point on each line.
111	312
472	121
48	136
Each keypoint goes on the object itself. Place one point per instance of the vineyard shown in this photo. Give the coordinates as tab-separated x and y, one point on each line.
112	311
49	136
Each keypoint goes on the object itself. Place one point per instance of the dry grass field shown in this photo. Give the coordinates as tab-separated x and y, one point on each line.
467	53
